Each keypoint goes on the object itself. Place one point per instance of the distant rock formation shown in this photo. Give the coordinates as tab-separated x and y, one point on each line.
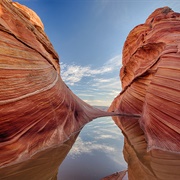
151	88
37	110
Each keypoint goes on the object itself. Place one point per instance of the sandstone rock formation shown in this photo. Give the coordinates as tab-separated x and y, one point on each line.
151	84
37	110
40	117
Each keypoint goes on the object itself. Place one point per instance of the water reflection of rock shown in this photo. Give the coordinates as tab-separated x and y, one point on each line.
42	166
143	164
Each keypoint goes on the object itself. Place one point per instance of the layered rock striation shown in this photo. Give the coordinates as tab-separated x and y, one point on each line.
40	117
37	110
150	79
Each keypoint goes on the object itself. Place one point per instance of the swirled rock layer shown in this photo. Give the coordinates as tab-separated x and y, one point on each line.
37	110
151	84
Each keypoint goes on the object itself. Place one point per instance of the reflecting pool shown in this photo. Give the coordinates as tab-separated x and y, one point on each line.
96	153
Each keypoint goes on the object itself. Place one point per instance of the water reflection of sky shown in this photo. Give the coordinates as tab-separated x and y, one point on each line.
96	153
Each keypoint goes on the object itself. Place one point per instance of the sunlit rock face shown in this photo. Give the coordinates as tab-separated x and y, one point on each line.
151	84
37	110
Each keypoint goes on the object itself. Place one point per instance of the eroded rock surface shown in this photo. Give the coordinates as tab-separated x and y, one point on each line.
37	110
151	84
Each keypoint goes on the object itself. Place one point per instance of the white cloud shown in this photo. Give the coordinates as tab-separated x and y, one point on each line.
72	74
98	102
114	62
88	147
105	136
96	86
101	80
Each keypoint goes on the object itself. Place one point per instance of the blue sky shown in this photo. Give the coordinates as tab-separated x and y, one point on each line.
89	35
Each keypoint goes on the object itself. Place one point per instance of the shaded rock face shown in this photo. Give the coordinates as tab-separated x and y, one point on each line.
37	110
43	165
151	84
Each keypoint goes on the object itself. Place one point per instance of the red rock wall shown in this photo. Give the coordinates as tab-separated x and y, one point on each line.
37	110
151	84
